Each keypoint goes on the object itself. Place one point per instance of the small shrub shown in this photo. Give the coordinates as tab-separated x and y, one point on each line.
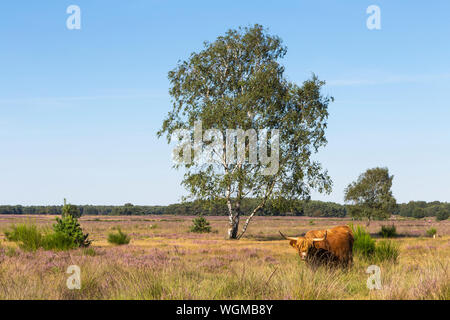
431	232
386	250
368	248
200	225
28	237
388	231
58	241
118	238
363	243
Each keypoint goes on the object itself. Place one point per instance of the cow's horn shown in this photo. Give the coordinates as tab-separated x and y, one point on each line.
287	238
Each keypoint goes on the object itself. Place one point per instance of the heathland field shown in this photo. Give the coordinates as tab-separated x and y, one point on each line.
166	261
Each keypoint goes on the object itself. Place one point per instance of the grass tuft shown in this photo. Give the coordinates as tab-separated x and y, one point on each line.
386	250
118	238
431	232
30	238
363	244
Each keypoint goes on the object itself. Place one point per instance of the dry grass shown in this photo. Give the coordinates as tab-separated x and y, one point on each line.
165	261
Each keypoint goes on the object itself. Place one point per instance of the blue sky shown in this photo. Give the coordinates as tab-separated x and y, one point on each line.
79	109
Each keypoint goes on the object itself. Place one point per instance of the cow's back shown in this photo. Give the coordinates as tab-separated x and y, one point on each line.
339	241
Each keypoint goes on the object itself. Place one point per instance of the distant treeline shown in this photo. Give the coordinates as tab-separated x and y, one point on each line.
297	208
311	208
421	209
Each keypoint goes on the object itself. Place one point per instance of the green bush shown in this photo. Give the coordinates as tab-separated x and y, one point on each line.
442	215
388	231
369	249
386	250
58	241
69	226
118	238
200	225
431	232
363	243
30	238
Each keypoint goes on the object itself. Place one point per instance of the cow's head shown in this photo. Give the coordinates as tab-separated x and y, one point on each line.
303	244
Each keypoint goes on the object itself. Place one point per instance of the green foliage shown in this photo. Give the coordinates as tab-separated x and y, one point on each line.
218	207
58	241
27	236
128	209
388	231
363	243
236	82
431	232
291	207
118	238
386	250
421	209
371	195
30	238
200	225
313	208
419	213
372	251
69	226
442	214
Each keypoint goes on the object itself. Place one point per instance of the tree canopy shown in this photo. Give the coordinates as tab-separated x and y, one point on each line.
371	195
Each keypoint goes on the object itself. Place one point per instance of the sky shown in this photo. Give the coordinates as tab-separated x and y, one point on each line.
79	109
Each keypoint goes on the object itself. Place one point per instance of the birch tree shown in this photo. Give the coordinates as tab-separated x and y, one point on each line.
237	83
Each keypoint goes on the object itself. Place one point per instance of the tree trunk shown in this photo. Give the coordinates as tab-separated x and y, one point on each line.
260	206
249	219
233	219
235	213
233	225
